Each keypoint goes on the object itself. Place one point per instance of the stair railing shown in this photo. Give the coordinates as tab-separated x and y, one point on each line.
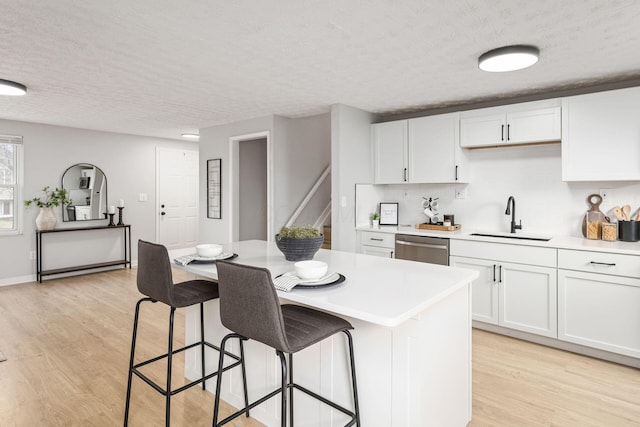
308	197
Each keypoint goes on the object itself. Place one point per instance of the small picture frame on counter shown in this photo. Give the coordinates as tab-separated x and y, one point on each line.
388	213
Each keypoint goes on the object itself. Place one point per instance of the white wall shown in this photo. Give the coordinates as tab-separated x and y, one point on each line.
350	165
128	162
300	151
214	144
532	174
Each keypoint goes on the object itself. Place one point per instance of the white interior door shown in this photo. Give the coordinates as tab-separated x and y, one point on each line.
177	197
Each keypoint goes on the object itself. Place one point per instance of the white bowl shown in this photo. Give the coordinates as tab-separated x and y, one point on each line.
310	270
208	250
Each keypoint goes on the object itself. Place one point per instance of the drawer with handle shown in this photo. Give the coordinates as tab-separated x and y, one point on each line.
599	262
383	240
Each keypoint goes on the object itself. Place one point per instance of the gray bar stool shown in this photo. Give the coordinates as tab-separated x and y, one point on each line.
250	308
155	280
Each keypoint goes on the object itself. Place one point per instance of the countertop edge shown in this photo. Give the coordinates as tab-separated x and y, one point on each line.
559	242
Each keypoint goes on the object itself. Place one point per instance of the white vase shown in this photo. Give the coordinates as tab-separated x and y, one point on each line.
46	219
375	223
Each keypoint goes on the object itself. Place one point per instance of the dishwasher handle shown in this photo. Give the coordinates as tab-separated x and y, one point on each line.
422	245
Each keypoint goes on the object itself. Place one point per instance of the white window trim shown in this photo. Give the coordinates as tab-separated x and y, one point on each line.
18	211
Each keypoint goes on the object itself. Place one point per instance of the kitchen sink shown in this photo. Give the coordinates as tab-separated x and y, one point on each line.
513	236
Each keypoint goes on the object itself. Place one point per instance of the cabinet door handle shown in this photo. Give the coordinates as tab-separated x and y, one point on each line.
502	133
508	132
499	274
376	239
456	172
494	273
391	254
404	175
608	264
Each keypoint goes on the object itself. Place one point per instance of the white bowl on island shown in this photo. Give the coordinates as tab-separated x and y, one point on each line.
310	270
208	250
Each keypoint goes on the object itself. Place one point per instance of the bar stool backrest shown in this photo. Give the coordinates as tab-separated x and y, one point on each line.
249	304
154	272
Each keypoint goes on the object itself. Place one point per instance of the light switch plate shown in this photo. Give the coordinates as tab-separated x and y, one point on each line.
461	193
142	197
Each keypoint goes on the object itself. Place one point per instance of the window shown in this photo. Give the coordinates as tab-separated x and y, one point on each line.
10	183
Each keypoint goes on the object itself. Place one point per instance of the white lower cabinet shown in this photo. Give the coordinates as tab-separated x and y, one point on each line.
516	296
528	298
599	306
511	294
484	291
376	244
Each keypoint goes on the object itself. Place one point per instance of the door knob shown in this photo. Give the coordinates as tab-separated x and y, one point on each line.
162	206
163	213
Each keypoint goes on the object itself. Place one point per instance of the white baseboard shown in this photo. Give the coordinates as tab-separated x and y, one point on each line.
17	280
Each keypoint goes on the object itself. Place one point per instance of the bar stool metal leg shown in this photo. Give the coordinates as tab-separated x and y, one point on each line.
133	352
353	378
244	375
204	383
291	389
169	363
283	389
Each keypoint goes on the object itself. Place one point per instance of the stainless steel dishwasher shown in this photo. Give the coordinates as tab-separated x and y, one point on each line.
434	250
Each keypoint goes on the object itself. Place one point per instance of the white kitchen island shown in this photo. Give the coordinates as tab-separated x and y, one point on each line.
412	341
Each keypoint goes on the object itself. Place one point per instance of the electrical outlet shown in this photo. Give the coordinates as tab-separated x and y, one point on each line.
142	197
405	194
461	193
32	255
604	193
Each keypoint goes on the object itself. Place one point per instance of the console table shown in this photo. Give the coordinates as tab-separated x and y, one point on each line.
126	261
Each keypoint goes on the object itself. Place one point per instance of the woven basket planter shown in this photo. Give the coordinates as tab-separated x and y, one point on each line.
295	249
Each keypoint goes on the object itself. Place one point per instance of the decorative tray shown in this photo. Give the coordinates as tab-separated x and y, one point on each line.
439	227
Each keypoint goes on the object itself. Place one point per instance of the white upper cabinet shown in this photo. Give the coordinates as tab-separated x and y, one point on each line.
434	149
422	150
601	136
390	152
508	125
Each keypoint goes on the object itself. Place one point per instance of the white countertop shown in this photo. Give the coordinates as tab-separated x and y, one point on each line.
383	291
559	242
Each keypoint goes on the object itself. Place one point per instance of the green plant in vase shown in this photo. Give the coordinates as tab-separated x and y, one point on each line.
375	219
46	219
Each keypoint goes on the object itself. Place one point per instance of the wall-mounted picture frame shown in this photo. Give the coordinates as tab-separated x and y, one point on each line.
388	213
214	188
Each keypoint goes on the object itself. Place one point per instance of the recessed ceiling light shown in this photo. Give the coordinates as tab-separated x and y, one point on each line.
191	135
508	58
10	88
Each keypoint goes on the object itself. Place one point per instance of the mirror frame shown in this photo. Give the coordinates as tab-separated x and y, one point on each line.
103	215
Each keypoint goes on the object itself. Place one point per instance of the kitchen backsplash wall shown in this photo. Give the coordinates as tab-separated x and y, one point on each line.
532	174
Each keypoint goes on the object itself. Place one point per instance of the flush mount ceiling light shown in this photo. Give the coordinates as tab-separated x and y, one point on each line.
508	58
10	88
191	135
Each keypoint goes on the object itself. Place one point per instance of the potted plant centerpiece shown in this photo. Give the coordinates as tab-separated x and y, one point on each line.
46	219
299	243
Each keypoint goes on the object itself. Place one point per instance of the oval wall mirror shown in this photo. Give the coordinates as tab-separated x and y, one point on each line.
86	186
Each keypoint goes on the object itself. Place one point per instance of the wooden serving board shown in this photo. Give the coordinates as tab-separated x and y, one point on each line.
439	227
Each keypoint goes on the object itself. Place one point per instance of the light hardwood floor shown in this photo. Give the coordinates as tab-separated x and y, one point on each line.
67	342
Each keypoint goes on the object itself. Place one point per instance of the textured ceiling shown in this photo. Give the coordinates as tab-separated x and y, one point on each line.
161	68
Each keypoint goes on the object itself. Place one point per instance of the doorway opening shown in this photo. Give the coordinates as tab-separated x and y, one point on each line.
251	187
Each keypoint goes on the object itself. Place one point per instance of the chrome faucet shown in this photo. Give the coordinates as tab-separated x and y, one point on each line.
512	202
